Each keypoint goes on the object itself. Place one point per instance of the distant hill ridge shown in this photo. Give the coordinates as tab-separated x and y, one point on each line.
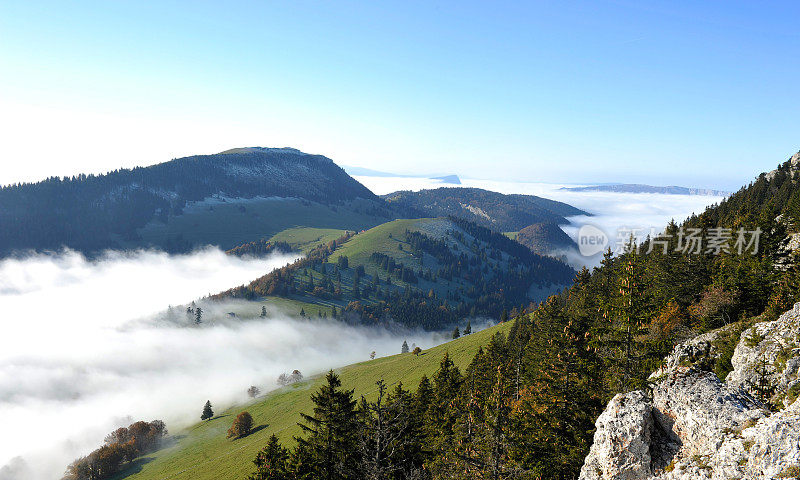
641	188
496	211
93	212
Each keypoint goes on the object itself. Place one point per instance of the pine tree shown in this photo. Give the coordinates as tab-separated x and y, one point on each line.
272	462
332	432
468	328
390	443
198	315
404	347
456	333
443	413
263	311
553	418
207	411
629	324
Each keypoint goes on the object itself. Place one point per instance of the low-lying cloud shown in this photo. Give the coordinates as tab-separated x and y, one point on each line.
88	346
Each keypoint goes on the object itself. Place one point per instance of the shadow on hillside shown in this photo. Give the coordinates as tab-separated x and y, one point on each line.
171	441
258	429
252	431
133	468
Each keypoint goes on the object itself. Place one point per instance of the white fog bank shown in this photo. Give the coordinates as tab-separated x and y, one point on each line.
87	346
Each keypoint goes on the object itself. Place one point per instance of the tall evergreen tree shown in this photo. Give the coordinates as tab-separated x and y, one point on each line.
272	462
331	440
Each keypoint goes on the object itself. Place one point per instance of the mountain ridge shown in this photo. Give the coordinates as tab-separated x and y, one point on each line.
642	188
94	212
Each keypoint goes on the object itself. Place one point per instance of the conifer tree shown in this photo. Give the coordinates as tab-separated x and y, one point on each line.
332	432
629	323
207	411
271	462
404	347
468	328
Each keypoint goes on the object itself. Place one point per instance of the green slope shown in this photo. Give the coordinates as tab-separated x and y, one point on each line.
387	239
306	238
202	452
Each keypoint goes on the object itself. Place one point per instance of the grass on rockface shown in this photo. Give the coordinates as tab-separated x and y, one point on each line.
202	452
306	238
233	223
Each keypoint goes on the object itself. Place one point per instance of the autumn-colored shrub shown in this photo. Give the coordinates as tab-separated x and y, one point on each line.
242	426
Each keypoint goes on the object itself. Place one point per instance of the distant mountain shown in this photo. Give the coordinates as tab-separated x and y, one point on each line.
368	172
452	179
225	199
639	188
496	211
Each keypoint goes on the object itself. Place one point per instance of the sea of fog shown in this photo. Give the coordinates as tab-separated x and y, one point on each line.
617	214
87	346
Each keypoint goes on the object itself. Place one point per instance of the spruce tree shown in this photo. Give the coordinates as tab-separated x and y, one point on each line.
272	462
456	333
207	411
391	444
629	324
332	432
443	413
468	328
404	347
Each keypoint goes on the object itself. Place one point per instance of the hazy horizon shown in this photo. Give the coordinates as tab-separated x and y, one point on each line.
657	93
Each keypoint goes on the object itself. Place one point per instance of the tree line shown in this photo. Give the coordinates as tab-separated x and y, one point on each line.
121	447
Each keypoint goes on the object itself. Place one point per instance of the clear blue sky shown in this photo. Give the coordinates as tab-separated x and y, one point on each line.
693	93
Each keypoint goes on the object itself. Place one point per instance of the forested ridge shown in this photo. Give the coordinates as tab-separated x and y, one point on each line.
488	273
496	211
93	212
526	405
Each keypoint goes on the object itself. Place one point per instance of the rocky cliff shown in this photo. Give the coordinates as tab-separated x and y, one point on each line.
691	425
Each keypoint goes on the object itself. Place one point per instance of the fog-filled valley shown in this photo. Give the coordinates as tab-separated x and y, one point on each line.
88	346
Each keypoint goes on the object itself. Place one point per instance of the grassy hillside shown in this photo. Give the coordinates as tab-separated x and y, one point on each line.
202	452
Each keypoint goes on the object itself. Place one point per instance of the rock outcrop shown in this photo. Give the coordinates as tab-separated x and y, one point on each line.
691	425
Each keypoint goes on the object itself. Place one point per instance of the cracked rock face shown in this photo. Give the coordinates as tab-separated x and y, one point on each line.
693	426
771	347
622	441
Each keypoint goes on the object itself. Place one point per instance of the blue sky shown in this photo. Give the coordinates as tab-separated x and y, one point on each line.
692	93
